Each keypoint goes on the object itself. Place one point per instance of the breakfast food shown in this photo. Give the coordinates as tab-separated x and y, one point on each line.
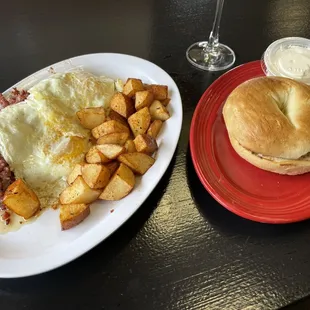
267	120
72	139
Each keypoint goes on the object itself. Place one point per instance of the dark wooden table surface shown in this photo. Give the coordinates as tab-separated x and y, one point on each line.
181	250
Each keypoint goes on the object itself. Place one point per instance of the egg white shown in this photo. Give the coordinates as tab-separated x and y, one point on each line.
41	138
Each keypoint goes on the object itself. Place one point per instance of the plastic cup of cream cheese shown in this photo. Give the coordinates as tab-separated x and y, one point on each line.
288	57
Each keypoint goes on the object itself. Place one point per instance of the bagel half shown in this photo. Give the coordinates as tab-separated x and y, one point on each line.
268	124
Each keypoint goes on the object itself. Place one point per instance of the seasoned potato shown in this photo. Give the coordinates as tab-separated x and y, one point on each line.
111	151
155	128
159	111
91	117
140	121
109	127
114	138
145	144
114	116
94	156
78	192
143	99
112	166
120	185
72	215
77	170
138	162
166	101
22	200
130	146
95	175
122	105
132	86
160	91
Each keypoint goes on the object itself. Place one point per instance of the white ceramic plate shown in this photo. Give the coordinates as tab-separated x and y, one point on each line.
42	246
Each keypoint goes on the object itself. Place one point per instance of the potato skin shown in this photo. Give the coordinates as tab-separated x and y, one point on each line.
72	215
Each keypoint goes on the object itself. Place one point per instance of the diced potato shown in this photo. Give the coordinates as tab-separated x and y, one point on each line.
130	146
132	86
140	163
91	117
145	144
112	166
21	199
78	192
140	121
122	105
72	215
77	170
166	101
159	111
94	156
109	127
96	175
114	116
143	99
155	128
120	185
160	91
114	138
111	151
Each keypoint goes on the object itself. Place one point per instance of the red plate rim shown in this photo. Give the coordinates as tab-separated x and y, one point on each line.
296	217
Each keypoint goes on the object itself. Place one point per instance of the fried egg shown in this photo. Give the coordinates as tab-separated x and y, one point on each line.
41	138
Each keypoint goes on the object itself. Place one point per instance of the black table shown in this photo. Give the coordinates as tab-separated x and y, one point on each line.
181	250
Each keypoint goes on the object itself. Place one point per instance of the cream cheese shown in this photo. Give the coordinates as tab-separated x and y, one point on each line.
289	57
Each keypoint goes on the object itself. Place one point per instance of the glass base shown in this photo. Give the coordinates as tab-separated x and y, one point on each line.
217	58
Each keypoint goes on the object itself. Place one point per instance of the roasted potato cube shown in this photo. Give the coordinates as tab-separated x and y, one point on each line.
160	91
111	151
21	199
132	86
91	117
112	166
78	192
94	156
138	162
114	138
96	175
159	111
109	127
72	215
114	116
140	121
166	101
130	146
145	144
122	105
143	99
155	128
77	170
120	185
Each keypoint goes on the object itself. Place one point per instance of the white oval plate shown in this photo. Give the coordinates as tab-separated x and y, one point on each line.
42	246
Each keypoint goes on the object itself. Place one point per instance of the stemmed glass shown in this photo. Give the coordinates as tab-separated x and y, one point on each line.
212	55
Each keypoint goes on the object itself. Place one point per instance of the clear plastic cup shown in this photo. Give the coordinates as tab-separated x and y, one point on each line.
288	57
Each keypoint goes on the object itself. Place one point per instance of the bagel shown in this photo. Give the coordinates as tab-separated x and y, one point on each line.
268	124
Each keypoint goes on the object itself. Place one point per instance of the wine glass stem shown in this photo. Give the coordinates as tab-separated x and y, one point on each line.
214	35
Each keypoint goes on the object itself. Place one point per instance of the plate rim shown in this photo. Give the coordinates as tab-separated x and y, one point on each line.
165	164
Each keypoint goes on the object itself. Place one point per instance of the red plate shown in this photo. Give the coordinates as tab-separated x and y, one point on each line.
247	191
